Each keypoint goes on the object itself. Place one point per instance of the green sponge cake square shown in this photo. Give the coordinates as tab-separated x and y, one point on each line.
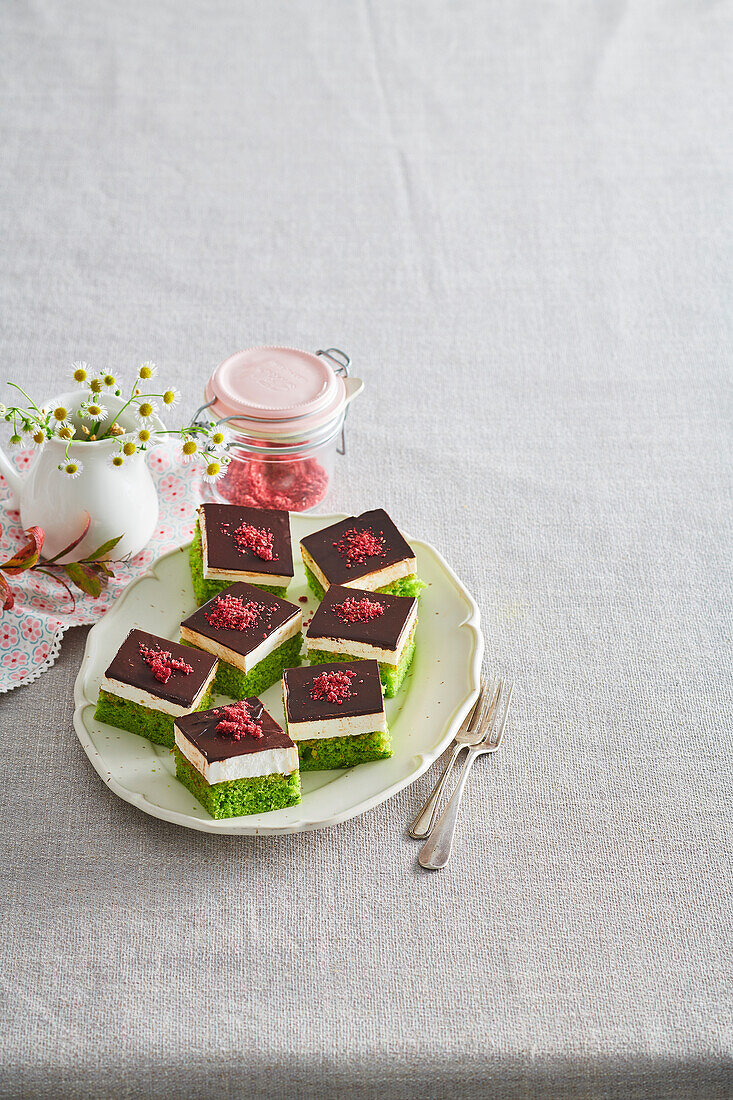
335	714
254	634
366	552
151	682
233	544
351	624
236	760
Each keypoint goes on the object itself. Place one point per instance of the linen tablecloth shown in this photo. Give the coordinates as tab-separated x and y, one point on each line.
515	218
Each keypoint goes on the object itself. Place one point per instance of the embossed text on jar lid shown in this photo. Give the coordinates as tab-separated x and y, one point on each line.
274	383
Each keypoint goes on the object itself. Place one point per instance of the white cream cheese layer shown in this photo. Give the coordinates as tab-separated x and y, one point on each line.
247	662
281	580
280	761
147	699
372	581
335	727
364	649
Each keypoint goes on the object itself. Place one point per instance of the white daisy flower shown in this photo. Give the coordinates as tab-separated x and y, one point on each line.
189	450
220	437
93	410
71	468
214	470
80	370
171	397
146	412
147	371
38	438
116	460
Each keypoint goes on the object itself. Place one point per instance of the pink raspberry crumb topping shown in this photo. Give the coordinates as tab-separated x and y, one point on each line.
162	663
260	540
233	613
237	721
334	686
356	546
358	611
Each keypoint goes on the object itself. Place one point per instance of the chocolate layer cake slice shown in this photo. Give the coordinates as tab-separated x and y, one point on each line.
254	634
351	624
240	544
236	759
151	681
366	552
335	714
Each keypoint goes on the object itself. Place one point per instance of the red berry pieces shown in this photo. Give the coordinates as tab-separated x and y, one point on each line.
356	546
233	613
333	686
292	483
237	721
163	663
358	611
257	539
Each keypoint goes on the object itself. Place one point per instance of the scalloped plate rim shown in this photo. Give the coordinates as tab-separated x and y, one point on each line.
239	826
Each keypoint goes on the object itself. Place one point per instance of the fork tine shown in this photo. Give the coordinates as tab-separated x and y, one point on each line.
478	708
493	738
489	712
487	703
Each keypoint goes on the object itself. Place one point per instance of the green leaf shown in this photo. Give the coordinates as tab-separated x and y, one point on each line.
28	555
103	549
83	577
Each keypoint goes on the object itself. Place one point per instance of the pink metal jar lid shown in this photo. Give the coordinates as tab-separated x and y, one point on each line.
276	390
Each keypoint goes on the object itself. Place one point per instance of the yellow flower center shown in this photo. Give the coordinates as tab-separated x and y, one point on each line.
117	460
80	375
71	467
129	448
38	437
169	397
146	409
60	413
189	448
65	433
109	380
213	469
95	385
217	438
145	372
143	435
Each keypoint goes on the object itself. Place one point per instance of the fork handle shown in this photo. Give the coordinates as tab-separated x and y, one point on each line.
435	853
423	823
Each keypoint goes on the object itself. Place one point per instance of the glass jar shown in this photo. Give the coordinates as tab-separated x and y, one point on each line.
285	410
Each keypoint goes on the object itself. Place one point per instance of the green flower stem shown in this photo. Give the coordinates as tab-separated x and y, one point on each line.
30	399
138	397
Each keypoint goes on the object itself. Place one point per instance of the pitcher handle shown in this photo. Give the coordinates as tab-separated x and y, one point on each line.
12	478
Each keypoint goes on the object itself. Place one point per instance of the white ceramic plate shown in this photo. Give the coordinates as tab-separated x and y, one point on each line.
435	698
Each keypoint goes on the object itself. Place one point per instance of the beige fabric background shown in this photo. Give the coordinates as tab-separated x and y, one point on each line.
516	218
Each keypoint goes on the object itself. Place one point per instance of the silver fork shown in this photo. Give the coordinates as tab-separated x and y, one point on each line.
469	734
437	851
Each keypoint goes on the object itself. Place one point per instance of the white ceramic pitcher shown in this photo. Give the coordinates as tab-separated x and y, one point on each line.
119	501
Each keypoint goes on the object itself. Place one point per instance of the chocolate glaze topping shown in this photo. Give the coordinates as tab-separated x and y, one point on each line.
365	687
276	612
129	667
383	630
323	546
221	522
200	729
